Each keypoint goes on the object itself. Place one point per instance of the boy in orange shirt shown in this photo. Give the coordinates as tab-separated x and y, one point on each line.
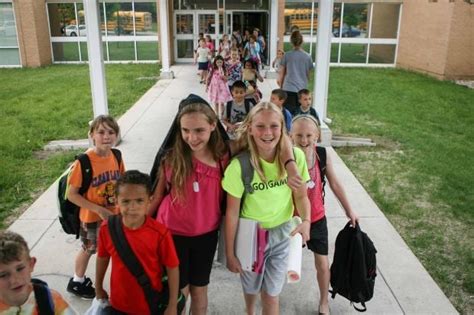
98	202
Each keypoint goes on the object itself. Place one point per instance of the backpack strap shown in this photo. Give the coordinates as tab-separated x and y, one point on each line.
228	109
130	260
247	172
322	158
44	301
86	169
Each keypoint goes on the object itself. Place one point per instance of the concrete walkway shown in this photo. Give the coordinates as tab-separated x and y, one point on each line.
402	286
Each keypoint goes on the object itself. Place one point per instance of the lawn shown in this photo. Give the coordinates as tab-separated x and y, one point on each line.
421	173
52	103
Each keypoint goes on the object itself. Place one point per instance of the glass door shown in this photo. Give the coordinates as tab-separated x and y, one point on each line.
207	23
184	36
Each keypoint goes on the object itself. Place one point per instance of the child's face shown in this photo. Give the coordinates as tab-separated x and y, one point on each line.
104	137
219	62
202	43
196	131
133	201
15	280
238	94
276	100
248	65
265	130
305	100
280	54
234	56
304	134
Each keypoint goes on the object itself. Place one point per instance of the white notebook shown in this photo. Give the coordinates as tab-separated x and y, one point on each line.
246	243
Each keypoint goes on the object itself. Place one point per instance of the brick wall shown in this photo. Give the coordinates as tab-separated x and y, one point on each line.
33	34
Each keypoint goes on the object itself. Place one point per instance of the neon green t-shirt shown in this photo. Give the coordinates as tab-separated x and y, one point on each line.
271	203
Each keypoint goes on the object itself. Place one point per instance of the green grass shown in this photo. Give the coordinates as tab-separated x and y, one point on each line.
52	103
421	171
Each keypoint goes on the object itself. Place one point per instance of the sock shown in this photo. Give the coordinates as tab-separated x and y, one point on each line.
78	279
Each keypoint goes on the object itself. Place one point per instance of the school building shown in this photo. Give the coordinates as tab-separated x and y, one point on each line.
431	36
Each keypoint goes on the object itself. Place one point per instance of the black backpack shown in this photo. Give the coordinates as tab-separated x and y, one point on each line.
353	270
248	103
44	300
68	211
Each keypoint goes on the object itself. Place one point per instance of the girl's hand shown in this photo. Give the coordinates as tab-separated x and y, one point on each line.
295	181
171	310
303	228
233	264
353	218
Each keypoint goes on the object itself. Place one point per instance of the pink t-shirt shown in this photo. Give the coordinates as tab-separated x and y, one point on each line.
315	194
199	212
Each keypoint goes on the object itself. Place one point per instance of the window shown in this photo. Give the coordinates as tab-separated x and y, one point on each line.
129	30
9	51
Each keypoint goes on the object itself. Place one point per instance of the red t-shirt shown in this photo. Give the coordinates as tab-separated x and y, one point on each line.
153	245
315	194
200	212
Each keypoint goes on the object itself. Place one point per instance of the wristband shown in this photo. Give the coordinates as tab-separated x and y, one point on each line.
289	161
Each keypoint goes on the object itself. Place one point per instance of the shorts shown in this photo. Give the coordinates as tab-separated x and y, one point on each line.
275	265
318	237
88	234
203	65
196	254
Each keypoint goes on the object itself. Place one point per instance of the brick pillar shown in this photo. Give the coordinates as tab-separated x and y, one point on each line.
33	34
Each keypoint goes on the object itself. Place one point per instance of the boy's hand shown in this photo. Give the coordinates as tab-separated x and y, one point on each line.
104	213
101	294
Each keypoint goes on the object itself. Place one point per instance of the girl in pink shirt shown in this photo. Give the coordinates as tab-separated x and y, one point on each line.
305	133
188	197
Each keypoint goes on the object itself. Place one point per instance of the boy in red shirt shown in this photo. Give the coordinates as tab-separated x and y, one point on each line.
150	241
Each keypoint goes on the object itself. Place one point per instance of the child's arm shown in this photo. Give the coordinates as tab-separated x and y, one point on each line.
281	79
300	197
195	56
230	228
159	192
173	283
75	197
294	179
100	269
259	77
339	192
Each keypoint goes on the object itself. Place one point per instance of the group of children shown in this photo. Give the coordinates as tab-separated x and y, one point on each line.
173	229
232	64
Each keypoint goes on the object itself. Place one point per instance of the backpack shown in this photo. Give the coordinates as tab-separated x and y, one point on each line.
353	270
44	301
248	103
247	170
68	211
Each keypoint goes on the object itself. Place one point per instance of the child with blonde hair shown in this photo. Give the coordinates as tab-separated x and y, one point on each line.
305	133
271	204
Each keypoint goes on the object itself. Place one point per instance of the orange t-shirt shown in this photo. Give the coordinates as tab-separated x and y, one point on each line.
105	172
61	307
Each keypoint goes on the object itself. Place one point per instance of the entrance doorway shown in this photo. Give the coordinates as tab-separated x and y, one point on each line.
189	23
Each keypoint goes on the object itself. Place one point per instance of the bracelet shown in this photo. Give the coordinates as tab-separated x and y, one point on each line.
289	161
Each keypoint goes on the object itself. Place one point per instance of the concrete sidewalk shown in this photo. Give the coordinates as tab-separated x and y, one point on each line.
402	286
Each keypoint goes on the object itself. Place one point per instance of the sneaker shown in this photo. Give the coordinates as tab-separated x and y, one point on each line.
84	290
